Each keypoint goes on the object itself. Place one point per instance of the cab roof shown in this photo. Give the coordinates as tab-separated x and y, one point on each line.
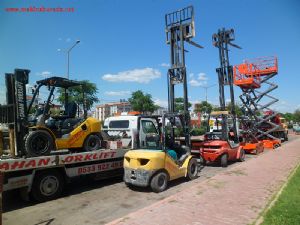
59	82
215	113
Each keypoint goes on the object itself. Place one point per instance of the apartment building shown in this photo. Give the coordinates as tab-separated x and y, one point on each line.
110	109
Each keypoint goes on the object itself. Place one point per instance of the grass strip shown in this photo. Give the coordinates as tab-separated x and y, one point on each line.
286	210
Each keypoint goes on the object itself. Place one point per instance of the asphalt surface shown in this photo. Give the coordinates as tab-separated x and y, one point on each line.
98	202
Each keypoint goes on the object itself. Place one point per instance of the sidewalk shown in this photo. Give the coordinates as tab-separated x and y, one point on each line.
236	196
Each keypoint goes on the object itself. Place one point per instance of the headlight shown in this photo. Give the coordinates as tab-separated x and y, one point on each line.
143	162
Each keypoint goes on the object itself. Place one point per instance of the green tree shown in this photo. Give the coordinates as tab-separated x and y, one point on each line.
203	107
288	116
297	115
142	102
179	104
237	107
75	94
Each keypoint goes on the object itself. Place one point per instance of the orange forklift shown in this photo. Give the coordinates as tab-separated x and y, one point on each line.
221	141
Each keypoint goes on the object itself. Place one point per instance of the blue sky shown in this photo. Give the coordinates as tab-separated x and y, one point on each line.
123	47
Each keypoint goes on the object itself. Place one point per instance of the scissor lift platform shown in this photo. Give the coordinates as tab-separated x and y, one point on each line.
248	75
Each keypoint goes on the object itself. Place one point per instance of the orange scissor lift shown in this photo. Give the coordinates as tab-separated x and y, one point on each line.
251	76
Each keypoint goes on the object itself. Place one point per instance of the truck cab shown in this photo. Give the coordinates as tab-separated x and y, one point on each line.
137	131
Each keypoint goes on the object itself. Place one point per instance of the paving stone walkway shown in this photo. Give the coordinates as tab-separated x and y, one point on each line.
236	196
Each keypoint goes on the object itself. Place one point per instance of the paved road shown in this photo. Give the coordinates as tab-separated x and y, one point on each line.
98	202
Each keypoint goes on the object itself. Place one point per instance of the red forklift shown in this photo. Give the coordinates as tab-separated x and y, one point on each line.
221	141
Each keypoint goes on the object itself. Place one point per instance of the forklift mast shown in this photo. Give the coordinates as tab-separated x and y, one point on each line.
179	28
14	114
221	40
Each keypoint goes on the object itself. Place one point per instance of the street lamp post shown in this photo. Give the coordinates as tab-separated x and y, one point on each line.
206	87
68	53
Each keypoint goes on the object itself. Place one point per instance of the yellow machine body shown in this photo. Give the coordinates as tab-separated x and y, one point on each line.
141	165
76	138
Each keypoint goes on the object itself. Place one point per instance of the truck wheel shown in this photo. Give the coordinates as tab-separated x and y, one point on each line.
242	155
224	160
47	185
159	182
192	169
38	142
92	143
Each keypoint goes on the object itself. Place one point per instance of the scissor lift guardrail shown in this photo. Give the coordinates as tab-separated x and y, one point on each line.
252	76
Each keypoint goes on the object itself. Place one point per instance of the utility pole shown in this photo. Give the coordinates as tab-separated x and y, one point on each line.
207	87
68	55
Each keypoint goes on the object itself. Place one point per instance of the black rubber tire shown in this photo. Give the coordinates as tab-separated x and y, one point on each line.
192	169
47	185
224	160
38	143
242	155
92	143
159	182
202	161
286	137
129	185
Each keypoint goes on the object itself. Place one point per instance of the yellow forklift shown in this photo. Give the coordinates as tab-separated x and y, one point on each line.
40	133
160	161
166	159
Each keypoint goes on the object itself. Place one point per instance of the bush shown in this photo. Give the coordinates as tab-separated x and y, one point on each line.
198	131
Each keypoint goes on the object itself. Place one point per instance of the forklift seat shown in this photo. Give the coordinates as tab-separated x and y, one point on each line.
70	112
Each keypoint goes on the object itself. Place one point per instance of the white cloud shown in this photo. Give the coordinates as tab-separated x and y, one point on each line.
44	74
165	65
200	81
202	77
117	93
161	103
197	83
144	76
284	106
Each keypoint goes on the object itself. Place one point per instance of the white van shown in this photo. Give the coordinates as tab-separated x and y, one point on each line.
137	131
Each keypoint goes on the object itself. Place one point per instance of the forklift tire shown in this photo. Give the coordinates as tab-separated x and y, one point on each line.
159	182
224	160
38	143
202	161
242	156
92	143
47	185
192	169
